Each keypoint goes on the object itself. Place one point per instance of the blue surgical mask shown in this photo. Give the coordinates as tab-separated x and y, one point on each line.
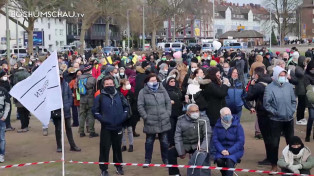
282	79
227	118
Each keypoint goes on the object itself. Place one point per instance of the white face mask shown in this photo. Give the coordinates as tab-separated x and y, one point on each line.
122	74
195	115
128	87
116	75
4	78
193	69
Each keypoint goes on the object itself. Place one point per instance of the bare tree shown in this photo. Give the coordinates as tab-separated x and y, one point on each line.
285	9
32	6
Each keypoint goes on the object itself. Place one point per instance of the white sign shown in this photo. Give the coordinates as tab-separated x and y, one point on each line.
40	93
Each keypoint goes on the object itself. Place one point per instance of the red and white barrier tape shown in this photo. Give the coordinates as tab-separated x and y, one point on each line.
28	164
192	167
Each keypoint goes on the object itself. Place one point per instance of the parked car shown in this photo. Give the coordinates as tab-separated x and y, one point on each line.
177	46
236	45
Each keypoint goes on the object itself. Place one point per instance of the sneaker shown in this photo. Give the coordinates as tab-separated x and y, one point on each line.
93	134
10	129
104	173
146	162
22	130
301	122
82	135
75	149
1	158
45	131
119	170
59	149
123	149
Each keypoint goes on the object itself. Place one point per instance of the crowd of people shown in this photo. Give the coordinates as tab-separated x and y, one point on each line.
190	101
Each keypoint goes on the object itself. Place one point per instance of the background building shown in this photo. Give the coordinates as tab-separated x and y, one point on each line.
306	17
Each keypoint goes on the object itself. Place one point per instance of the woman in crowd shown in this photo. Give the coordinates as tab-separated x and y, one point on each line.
125	89
296	158
309	83
176	110
236	95
228	139
154	106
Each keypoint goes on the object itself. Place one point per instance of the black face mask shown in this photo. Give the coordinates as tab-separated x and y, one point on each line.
110	89
295	151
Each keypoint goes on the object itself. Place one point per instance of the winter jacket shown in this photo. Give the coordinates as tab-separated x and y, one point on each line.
186	134
236	96
308	80
88	98
299	74
232	140
132	108
176	96
4	103
280	100
67	101
257	63
19	75
307	161
266	62
139	80
215	95
110	110
155	109
256	93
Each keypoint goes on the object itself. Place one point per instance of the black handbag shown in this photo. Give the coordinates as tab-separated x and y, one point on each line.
200	100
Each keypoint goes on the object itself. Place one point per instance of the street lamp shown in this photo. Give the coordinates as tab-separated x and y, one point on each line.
280	22
128	30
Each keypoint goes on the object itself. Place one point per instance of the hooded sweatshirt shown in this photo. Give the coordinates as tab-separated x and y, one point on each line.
257	63
279	99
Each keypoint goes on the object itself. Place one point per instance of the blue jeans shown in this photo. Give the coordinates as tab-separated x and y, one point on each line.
2	137
149	146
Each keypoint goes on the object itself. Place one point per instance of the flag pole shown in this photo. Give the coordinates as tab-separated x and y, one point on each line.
62	141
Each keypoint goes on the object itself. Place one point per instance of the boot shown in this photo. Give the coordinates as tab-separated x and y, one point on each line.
134	133
130	148
123	148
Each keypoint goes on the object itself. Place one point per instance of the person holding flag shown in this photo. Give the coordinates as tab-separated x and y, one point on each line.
56	116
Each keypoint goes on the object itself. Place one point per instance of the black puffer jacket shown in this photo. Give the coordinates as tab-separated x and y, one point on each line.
256	93
175	95
215	95
299	74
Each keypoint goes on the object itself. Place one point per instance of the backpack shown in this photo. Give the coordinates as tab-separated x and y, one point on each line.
310	93
81	86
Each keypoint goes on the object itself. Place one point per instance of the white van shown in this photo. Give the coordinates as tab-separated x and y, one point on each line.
177	46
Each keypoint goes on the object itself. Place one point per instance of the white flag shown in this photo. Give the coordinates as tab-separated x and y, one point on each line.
40	93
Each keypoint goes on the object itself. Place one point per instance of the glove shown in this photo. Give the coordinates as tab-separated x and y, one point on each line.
295	168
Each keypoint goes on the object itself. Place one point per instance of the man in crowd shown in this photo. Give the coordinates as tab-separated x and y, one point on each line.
111	115
4	111
86	85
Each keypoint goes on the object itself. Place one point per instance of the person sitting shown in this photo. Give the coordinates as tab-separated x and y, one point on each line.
186	136
228	139
296	158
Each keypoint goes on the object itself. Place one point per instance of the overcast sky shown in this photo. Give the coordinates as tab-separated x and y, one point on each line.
246	1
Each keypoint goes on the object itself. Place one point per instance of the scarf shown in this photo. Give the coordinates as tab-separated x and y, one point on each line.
124	92
226	125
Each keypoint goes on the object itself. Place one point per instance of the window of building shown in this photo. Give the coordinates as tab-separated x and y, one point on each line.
313	31
61	32
57	43
49	36
48	25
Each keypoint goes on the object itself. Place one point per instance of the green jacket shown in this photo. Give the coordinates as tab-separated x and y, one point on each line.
307	161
